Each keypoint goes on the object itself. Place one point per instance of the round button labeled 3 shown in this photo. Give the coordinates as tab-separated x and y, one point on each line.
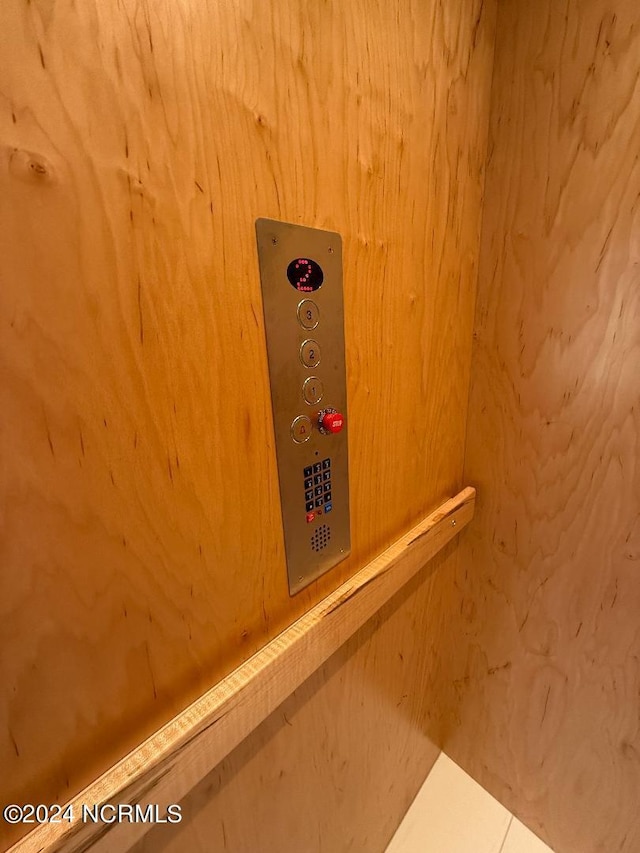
308	314
310	353
312	390
301	429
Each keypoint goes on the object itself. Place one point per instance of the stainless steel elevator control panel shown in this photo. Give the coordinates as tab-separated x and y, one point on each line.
301	277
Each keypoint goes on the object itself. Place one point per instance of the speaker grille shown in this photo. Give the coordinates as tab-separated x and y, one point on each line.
321	537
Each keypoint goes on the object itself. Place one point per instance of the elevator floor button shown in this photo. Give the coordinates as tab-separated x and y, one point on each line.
312	390
310	353
308	314
301	429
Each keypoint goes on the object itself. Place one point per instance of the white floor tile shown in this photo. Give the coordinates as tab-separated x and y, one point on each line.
452	814
522	840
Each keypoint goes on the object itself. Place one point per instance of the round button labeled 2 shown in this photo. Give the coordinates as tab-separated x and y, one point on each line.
308	314
310	353
301	429
312	390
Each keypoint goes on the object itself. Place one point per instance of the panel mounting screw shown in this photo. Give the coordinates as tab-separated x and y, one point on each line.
330	250
453	523
274	240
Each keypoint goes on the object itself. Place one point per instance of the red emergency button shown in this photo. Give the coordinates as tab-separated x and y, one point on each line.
330	421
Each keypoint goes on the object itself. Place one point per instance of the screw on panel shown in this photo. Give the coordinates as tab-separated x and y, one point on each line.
274	240
453	523
331	250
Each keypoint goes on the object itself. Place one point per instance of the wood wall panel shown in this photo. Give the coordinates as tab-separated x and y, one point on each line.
166	767
542	696
363	711
141	548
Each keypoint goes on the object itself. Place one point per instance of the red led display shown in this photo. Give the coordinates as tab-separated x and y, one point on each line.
305	275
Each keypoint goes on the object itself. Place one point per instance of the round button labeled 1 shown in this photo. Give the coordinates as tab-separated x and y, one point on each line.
301	429
312	390
310	353
308	314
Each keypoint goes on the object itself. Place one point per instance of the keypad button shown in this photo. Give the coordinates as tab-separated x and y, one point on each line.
310	517
326	475
308	495
312	390
327	487
317	491
308	314
317	468
326	463
307	471
301	429
308	483
309	506
317	480
310	353
319	502
328	507
327	498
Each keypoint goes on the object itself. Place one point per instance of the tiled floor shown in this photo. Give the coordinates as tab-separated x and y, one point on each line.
453	814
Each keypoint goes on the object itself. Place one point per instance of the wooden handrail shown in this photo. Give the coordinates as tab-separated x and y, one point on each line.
173	760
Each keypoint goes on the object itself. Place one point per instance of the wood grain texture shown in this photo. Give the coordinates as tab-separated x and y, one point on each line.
277	791
169	764
545	684
141	547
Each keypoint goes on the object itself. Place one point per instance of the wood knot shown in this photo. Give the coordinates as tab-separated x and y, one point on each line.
30	167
